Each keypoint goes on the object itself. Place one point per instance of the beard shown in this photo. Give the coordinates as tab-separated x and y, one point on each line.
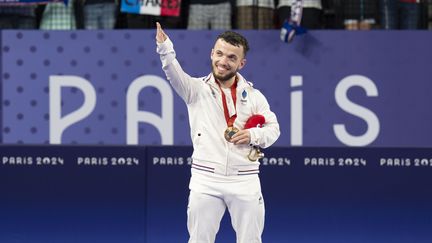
224	78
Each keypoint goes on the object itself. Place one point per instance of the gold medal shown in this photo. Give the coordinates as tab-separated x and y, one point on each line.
255	154
229	132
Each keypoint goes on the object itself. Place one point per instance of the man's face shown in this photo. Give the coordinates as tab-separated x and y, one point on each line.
226	59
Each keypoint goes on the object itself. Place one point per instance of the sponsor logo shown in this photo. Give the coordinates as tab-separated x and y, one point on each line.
107	161
172	161
325	161
405	162
31	160
273	161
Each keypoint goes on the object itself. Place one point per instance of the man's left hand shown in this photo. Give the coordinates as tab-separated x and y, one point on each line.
241	137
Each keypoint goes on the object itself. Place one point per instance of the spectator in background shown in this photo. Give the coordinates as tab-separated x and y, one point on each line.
209	14
99	14
430	14
360	14
18	17
144	21
311	16
138	21
255	14
400	14
59	16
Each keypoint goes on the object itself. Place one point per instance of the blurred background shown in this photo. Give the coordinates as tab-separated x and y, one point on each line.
215	14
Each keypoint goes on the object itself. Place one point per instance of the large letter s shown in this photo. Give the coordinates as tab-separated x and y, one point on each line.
370	118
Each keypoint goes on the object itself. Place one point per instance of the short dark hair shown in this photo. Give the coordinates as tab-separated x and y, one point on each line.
235	39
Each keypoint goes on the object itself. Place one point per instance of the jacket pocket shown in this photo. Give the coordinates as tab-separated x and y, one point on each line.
197	137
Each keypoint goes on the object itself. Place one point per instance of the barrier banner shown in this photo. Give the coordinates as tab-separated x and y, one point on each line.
311	194
152	7
136	194
168	172
72	194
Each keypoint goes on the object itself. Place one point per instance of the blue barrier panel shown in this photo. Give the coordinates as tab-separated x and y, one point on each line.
72	194
168	181
348	195
168	178
311	195
137	194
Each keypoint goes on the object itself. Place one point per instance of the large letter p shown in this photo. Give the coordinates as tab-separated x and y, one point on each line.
57	123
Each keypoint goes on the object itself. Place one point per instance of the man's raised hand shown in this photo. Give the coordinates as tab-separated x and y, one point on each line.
160	34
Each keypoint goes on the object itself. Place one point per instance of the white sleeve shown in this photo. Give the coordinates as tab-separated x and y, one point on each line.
269	133
182	83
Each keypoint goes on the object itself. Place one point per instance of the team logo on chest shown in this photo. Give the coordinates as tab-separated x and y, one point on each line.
244	96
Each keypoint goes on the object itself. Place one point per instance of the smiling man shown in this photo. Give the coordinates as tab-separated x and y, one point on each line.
229	121
228	57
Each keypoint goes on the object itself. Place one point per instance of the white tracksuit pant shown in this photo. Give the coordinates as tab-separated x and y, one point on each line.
210	194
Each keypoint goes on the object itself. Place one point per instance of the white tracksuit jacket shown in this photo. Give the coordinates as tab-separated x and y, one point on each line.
212	153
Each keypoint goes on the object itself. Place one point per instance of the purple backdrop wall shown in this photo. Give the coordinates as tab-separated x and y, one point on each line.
394	64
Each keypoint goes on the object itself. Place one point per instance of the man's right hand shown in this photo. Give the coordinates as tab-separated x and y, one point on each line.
160	34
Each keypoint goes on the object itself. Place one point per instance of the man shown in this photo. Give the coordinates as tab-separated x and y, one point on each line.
225	166
311	13
18	16
209	14
400	14
255	14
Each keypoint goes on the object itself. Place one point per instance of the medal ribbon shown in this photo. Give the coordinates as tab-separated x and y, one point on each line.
229	120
